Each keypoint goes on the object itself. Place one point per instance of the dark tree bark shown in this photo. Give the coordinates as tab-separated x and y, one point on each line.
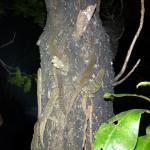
75	72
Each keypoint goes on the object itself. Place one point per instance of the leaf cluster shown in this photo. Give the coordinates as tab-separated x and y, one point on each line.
20	80
121	131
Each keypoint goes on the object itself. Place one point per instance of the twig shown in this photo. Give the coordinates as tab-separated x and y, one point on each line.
8	43
111	95
129	73
12	70
132	44
6	67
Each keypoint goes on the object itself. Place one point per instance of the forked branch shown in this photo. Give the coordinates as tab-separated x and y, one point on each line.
115	81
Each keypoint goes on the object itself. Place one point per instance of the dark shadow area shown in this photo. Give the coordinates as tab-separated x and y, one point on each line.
18	109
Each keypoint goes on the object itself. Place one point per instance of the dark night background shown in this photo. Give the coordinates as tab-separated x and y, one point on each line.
18	110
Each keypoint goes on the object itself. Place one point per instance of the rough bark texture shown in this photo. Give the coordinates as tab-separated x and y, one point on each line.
76	71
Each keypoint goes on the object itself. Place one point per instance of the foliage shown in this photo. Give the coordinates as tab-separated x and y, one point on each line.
143	142
20	80
121	131
31	8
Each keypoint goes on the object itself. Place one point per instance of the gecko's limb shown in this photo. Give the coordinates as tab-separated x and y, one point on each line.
94	85
39	91
83	79
39	95
60	87
88	114
88	93
46	114
35	140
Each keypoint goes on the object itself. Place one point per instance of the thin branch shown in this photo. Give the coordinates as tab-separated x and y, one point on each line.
129	73
6	67
111	95
12	71
10	42
132	43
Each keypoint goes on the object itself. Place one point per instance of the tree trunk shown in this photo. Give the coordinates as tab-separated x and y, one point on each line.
75	72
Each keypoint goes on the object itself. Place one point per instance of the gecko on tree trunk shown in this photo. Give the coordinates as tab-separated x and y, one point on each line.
76	70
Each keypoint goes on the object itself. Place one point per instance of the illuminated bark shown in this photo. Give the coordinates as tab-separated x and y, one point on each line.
76	71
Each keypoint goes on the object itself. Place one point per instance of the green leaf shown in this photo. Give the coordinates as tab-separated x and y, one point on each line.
27	85
20	80
17	78
120	133
148	130
143	142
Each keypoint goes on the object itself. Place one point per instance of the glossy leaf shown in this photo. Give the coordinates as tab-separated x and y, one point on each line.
120	132
143	142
